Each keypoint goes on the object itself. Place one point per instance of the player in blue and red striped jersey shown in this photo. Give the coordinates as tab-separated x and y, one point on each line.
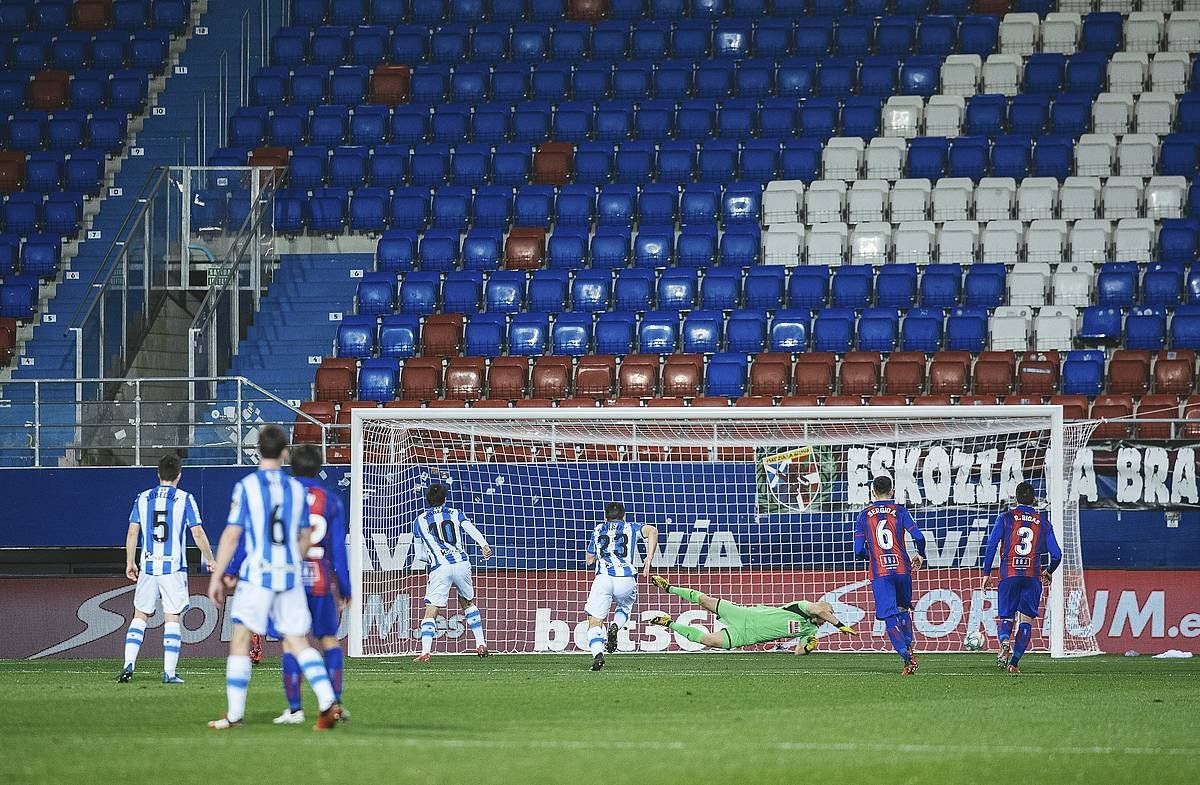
1022	535
325	572
879	538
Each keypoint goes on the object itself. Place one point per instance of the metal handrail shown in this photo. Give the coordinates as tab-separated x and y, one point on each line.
108	267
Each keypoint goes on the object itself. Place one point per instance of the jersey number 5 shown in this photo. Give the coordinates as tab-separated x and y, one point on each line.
1025	546
883	536
159	530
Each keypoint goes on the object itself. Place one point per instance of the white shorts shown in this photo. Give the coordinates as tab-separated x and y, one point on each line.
437	590
172	588
287	610
606	589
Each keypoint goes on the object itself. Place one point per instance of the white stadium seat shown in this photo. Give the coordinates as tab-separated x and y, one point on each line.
1002	74
1183	32
1117	6
784	245
902	116
1166	196
1122	198
1169	72
1127	72
995	198
1143	31
782	205
960	75
952	199
1003	241
944	115
1079	197
1095	154
1090	240
1133	241
1137	154
827	243
1072	284
1020	33
914	242
1112	113
842	158
958	242
1060	32
1037	197
825	201
1155	113
1054	328
867	201
910	200
871	243
885	158
1046	241
1028	284
1010	328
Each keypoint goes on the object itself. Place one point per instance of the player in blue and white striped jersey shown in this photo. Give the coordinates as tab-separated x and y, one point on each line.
612	549
269	520
158	519
438	541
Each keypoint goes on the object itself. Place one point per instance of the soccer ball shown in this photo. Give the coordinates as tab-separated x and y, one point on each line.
975	641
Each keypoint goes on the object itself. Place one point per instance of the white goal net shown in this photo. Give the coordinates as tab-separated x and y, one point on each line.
756	506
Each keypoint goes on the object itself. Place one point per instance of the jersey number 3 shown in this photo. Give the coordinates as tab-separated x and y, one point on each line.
1025	546
620	545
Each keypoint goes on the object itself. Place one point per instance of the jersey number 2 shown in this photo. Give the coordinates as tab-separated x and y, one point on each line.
620	545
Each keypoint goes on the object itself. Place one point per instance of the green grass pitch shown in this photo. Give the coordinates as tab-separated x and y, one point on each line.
706	719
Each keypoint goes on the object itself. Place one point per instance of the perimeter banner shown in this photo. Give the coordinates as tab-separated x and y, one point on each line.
1143	611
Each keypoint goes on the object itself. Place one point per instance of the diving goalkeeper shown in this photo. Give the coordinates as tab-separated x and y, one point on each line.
745	626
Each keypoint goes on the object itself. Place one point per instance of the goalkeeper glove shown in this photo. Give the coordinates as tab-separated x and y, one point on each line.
846	628
811	644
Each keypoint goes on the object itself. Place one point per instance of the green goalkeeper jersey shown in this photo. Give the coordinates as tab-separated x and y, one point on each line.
746	626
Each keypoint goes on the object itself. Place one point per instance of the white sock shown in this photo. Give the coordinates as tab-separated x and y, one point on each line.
475	623
620	618
133	641
596	636
172	640
428	631
313	666
237	681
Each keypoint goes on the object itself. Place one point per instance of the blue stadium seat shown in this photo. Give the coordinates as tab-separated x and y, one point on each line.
726	375
1086	72
505	291
429	165
450	123
449	43
378	378
1070	115
614	332
41	255
696	246
746	331
429	84
833	330
89	90
531	122
977	35
1101	324
348	167
896	35
879	75
756	78
571	334
348	84
528	334
63	212
1178	240
632	79
820	117
573	121
18	297
741	204
481	249
814	37
695	119
610	41
593	163
410	124
376	294
937	35
772	37
677	289
309	85
567	249
920	75
387	168
329	125
634	289
396	251
148	50
1163	284
369	125
1178	155
1053	157
796	77
510	165
1083	373
533	206
691	40
1185	327
676	163
85	170
922	330
452	207
740	245
658	204
356	336
490	42
654	246
22	212
1010	156
591	290
44	171
289	212
650	40
409	44
658	332
616	205
721	289
1117	284
470	84
548	291
369	209
1101	33
713	79
941	286
800	159
470	166
1146	328
440	250
1044	73
986	115
789	330
1028	114
719	160
699	204
485	335
614	121
369	45
808	286
510	82
896	286
853	286
703	332
575	206
571	41
635	162
838	76
462	292
878	330
969	157
853	36
760	160
984	285
420	293
610	247
967	329
764	287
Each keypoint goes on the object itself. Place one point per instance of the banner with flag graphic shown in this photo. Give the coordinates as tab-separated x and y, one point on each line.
795	480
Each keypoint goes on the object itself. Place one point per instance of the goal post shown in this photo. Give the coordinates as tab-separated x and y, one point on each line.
753	505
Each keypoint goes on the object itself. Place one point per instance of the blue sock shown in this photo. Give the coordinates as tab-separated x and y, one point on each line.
1004	631
896	636
333	664
906	626
291	680
1024	633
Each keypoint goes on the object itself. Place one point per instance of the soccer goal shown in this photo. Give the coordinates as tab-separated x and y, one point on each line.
754	505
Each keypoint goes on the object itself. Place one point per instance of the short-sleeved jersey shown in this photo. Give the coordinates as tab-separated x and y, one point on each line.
271	508
326	560
879	537
614	544
163	512
439	530
1022	535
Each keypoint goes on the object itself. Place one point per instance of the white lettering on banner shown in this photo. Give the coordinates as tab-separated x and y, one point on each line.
961	477
1141	476
1127	610
881	461
964	491
549	634
951	615
1083	476
1189	626
1155	466
907	491
1183	479
985	492
1129	475
387	557
374	616
936	474
856	475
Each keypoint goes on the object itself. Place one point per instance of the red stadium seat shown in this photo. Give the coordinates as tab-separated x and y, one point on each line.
1023	400
553	163
578	403
341	431
92	15
464	378
49	90
442	335
1174	372
1039	373
755	400
389	84
671	401
681	375
525	248
596	376
490	403
1112	407
624	402
948	373
1191	412
421	379
814	373
12	171
534	403
799	400
337	379
932	400
770	374
1129	372
638	376
904	373
1075	407
508	378
552	377
888	400
858	378
994	372
710	400
587	10
305	431
1156	407
446	403
844	400
977	400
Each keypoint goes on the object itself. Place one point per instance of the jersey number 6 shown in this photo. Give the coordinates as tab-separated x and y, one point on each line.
883	536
